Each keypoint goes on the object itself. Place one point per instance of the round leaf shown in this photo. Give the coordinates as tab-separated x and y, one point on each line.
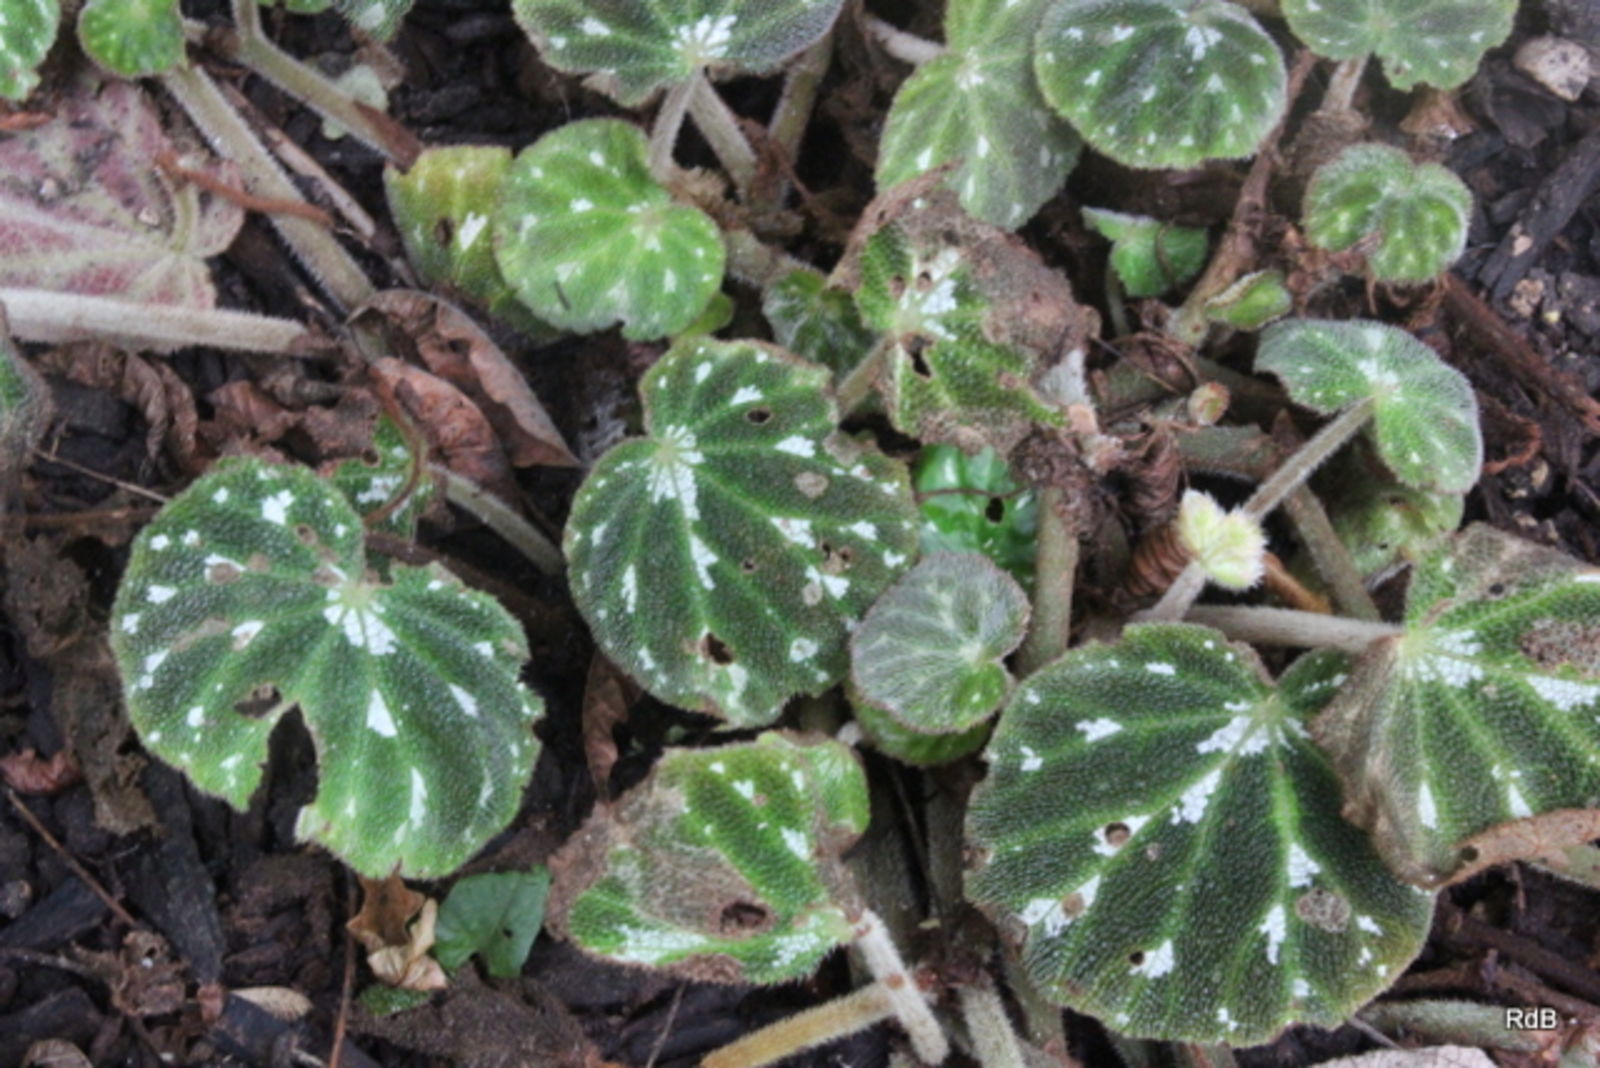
27	30
1486	710
639	46
721	560
715	867
1161	83
132	38
1434	42
442	207
1164	840
586	237
496	915
982	108
1415	213
250	593
913	747
930	652
1425	415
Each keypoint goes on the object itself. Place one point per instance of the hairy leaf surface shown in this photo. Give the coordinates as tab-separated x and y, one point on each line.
132	38
721	559
1432	42
1164	840
27	30
250	593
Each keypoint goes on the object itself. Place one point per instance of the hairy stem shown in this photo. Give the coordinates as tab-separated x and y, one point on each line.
1341	90
1286	626
1329	557
48	316
720	126
1289	476
317	250
754	262
500	518
664	132
882	958
252	48
1050	629
805	1030
787	128
906	47
994	1042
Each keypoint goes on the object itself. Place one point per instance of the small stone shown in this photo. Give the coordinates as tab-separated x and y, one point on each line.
1564	67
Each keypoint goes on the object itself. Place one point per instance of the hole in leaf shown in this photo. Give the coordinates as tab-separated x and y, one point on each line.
1497	589
371	458
758	415
1116	834
742	916
836	560
262	699
1136	958
443	231
716	649
306	535
924	282
897	287
1469	854
914	350
996	510
748	566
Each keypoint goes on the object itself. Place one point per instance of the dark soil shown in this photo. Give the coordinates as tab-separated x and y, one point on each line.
134	912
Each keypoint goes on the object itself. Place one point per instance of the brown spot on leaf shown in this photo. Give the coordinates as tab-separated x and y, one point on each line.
743	918
1072	905
1553	643
812	484
261	700
222	573
715	649
1323	909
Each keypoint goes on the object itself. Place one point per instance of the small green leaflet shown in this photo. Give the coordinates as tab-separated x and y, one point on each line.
721	560
814	320
1484	711
1163	839
717	866
132	38
1432	42
585	236
971	504
980	107
27	30
1416	212
1252	302
1149	256
1425	416
442	207
636	47
497	916
249	593
1161	83
930	653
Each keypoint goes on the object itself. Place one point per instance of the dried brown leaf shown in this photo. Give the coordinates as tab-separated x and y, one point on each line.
607	696
408	965
454	348
387	907
279	1002
454	425
1543	837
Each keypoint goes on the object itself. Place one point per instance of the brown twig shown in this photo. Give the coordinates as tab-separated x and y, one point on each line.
342	1021
72	862
1463	929
168	162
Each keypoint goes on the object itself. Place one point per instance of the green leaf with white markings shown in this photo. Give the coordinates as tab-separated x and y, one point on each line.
132	38
721	866
1149	256
24	410
442	207
27	30
721	560
1487	708
378	19
980	106
635	47
815	320
1413	214
1161	83
1432	42
494	915
946	381
1425	417
1162	838
585	236
250	593
930	653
